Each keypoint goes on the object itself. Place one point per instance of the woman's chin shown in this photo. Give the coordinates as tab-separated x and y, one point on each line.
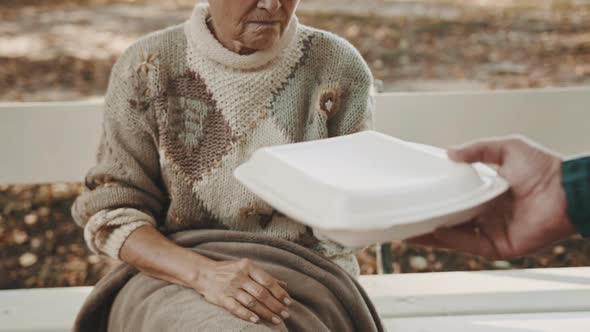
261	37
263	42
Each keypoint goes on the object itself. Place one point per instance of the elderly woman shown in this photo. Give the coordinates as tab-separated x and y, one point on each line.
187	105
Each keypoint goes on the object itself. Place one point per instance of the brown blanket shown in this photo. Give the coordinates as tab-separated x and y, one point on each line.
326	297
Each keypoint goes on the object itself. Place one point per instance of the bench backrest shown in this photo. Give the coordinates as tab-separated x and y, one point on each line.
56	142
557	118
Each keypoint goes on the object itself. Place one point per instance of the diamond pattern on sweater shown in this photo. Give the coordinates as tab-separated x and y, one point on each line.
215	188
215	139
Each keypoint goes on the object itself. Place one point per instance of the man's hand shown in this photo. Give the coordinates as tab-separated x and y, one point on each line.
532	215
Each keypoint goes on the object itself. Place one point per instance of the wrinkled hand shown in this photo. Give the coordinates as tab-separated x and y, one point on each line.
532	215
244	290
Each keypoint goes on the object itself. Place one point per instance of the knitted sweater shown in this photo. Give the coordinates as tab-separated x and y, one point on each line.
182	112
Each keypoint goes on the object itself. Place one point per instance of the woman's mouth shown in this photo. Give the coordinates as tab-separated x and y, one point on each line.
265	23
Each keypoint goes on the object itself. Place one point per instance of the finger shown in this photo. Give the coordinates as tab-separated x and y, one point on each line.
464	238
272	284
489	151
428	240
431	240
282	284
264	297
493	227
495	205
238	310
258	308
245	299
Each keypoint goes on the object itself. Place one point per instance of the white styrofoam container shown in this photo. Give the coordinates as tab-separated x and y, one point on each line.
369	187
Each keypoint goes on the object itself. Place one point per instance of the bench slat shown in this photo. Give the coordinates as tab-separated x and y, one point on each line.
45	309
484	292
556	118
48	142
540	322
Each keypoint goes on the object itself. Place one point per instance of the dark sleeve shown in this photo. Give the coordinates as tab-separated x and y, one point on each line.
576	182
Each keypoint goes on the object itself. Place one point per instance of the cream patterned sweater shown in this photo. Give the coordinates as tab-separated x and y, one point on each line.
182	112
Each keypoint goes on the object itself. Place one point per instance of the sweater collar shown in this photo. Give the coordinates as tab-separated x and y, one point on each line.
203	42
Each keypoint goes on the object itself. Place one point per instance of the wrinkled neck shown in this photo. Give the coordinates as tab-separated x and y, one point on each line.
201	35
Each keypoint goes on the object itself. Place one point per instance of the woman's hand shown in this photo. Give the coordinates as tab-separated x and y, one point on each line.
243	289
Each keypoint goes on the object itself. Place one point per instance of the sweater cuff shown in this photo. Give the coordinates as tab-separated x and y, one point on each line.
107	230
576	183
113	244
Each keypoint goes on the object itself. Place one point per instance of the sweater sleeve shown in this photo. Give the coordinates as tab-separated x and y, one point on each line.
356	98
576	183
124	187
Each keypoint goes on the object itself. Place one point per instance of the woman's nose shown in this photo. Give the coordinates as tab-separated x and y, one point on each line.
270	5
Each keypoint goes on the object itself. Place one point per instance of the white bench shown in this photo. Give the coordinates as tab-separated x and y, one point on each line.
38	140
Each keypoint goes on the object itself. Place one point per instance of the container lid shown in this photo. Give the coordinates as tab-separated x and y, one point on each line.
365	181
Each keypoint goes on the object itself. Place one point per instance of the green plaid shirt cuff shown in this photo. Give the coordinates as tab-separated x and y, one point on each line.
576	182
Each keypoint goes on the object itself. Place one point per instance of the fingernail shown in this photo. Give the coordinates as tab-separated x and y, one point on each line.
276	320
288	301
285	314
254	319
